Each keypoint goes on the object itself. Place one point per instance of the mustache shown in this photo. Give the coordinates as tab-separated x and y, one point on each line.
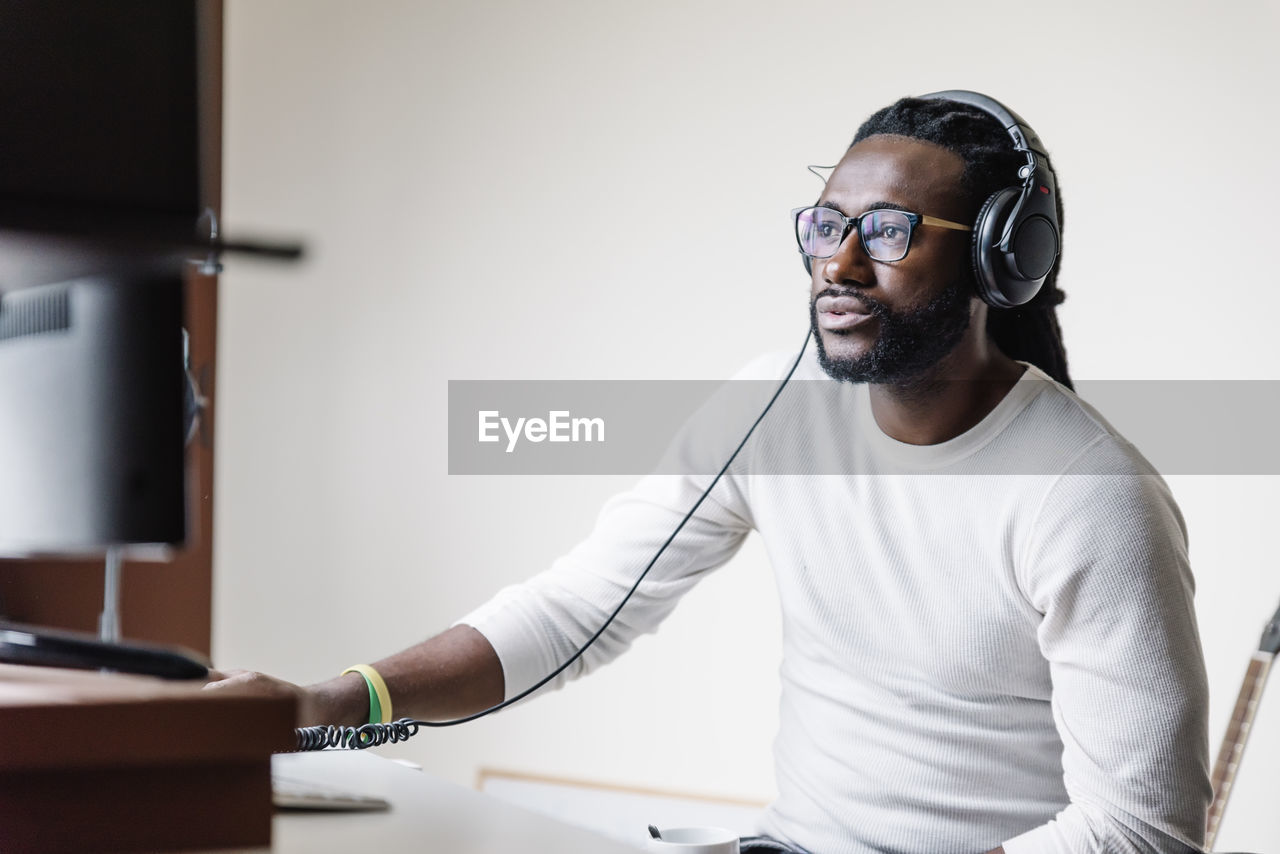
874	307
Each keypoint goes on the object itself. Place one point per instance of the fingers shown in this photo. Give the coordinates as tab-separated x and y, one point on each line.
216	677
251	682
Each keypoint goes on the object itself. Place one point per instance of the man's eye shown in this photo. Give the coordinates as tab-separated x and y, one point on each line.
889	234
827	230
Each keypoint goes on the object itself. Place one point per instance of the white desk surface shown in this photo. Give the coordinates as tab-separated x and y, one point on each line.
427	815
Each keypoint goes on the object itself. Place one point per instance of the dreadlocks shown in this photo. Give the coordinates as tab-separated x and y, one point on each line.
1030	332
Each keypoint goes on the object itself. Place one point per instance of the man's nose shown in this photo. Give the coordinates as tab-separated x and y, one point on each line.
850	264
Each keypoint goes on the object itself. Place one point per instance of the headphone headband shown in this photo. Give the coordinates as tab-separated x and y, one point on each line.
1024	138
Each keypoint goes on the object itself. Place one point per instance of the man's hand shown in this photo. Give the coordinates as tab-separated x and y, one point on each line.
337	701
454	674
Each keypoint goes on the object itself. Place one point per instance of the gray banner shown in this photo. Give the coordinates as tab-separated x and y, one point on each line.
692	427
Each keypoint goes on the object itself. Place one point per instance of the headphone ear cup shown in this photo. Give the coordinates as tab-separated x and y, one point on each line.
988	269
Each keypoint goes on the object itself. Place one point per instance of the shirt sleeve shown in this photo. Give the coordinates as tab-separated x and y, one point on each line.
536	626
1107	567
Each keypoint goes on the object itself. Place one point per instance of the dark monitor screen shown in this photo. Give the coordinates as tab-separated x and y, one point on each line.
99	116
91	414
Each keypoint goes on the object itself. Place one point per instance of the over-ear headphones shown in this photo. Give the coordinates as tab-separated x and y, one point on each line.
1016	235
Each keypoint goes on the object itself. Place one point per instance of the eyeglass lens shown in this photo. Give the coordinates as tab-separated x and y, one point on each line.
884	234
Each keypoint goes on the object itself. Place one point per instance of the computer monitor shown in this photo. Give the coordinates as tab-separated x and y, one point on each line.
91	414
92	409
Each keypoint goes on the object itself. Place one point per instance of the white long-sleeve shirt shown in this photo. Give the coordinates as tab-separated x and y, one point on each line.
986	641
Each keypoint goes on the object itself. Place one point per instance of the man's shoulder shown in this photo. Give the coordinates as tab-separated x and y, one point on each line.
1103	490
1065	434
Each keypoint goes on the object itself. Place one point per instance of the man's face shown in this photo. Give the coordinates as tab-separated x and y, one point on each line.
881	322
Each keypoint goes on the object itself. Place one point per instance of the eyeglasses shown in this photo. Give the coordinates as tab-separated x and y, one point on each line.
885	233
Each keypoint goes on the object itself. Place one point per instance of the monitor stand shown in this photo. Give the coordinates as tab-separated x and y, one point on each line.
109	619
21	644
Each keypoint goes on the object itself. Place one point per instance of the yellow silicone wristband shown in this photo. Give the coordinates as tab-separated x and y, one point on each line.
377	686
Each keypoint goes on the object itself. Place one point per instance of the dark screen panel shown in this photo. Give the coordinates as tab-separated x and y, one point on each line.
99	115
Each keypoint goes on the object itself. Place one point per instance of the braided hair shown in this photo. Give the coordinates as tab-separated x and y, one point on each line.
1029	332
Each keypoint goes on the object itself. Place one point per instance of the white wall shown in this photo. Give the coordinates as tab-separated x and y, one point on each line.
377	129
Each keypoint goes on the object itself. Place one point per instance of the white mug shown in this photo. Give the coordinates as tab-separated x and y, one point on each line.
695	840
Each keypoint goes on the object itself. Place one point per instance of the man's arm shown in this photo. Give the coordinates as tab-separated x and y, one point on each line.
526	631
1107	569
454	674
522	637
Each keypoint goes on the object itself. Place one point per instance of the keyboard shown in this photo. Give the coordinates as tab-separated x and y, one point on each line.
290	794
43	647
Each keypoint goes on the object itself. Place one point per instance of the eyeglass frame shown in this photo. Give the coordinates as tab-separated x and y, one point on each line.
914	220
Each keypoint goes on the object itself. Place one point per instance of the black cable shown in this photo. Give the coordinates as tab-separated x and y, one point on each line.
373	735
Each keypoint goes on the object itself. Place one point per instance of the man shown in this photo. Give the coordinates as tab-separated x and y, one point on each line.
989	640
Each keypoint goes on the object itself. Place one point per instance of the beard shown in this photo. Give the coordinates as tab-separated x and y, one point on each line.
908	343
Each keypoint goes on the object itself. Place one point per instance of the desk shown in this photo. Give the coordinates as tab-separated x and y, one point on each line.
129	763
126	762
427	815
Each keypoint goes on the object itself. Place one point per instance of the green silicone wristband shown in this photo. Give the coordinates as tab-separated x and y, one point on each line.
375	708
